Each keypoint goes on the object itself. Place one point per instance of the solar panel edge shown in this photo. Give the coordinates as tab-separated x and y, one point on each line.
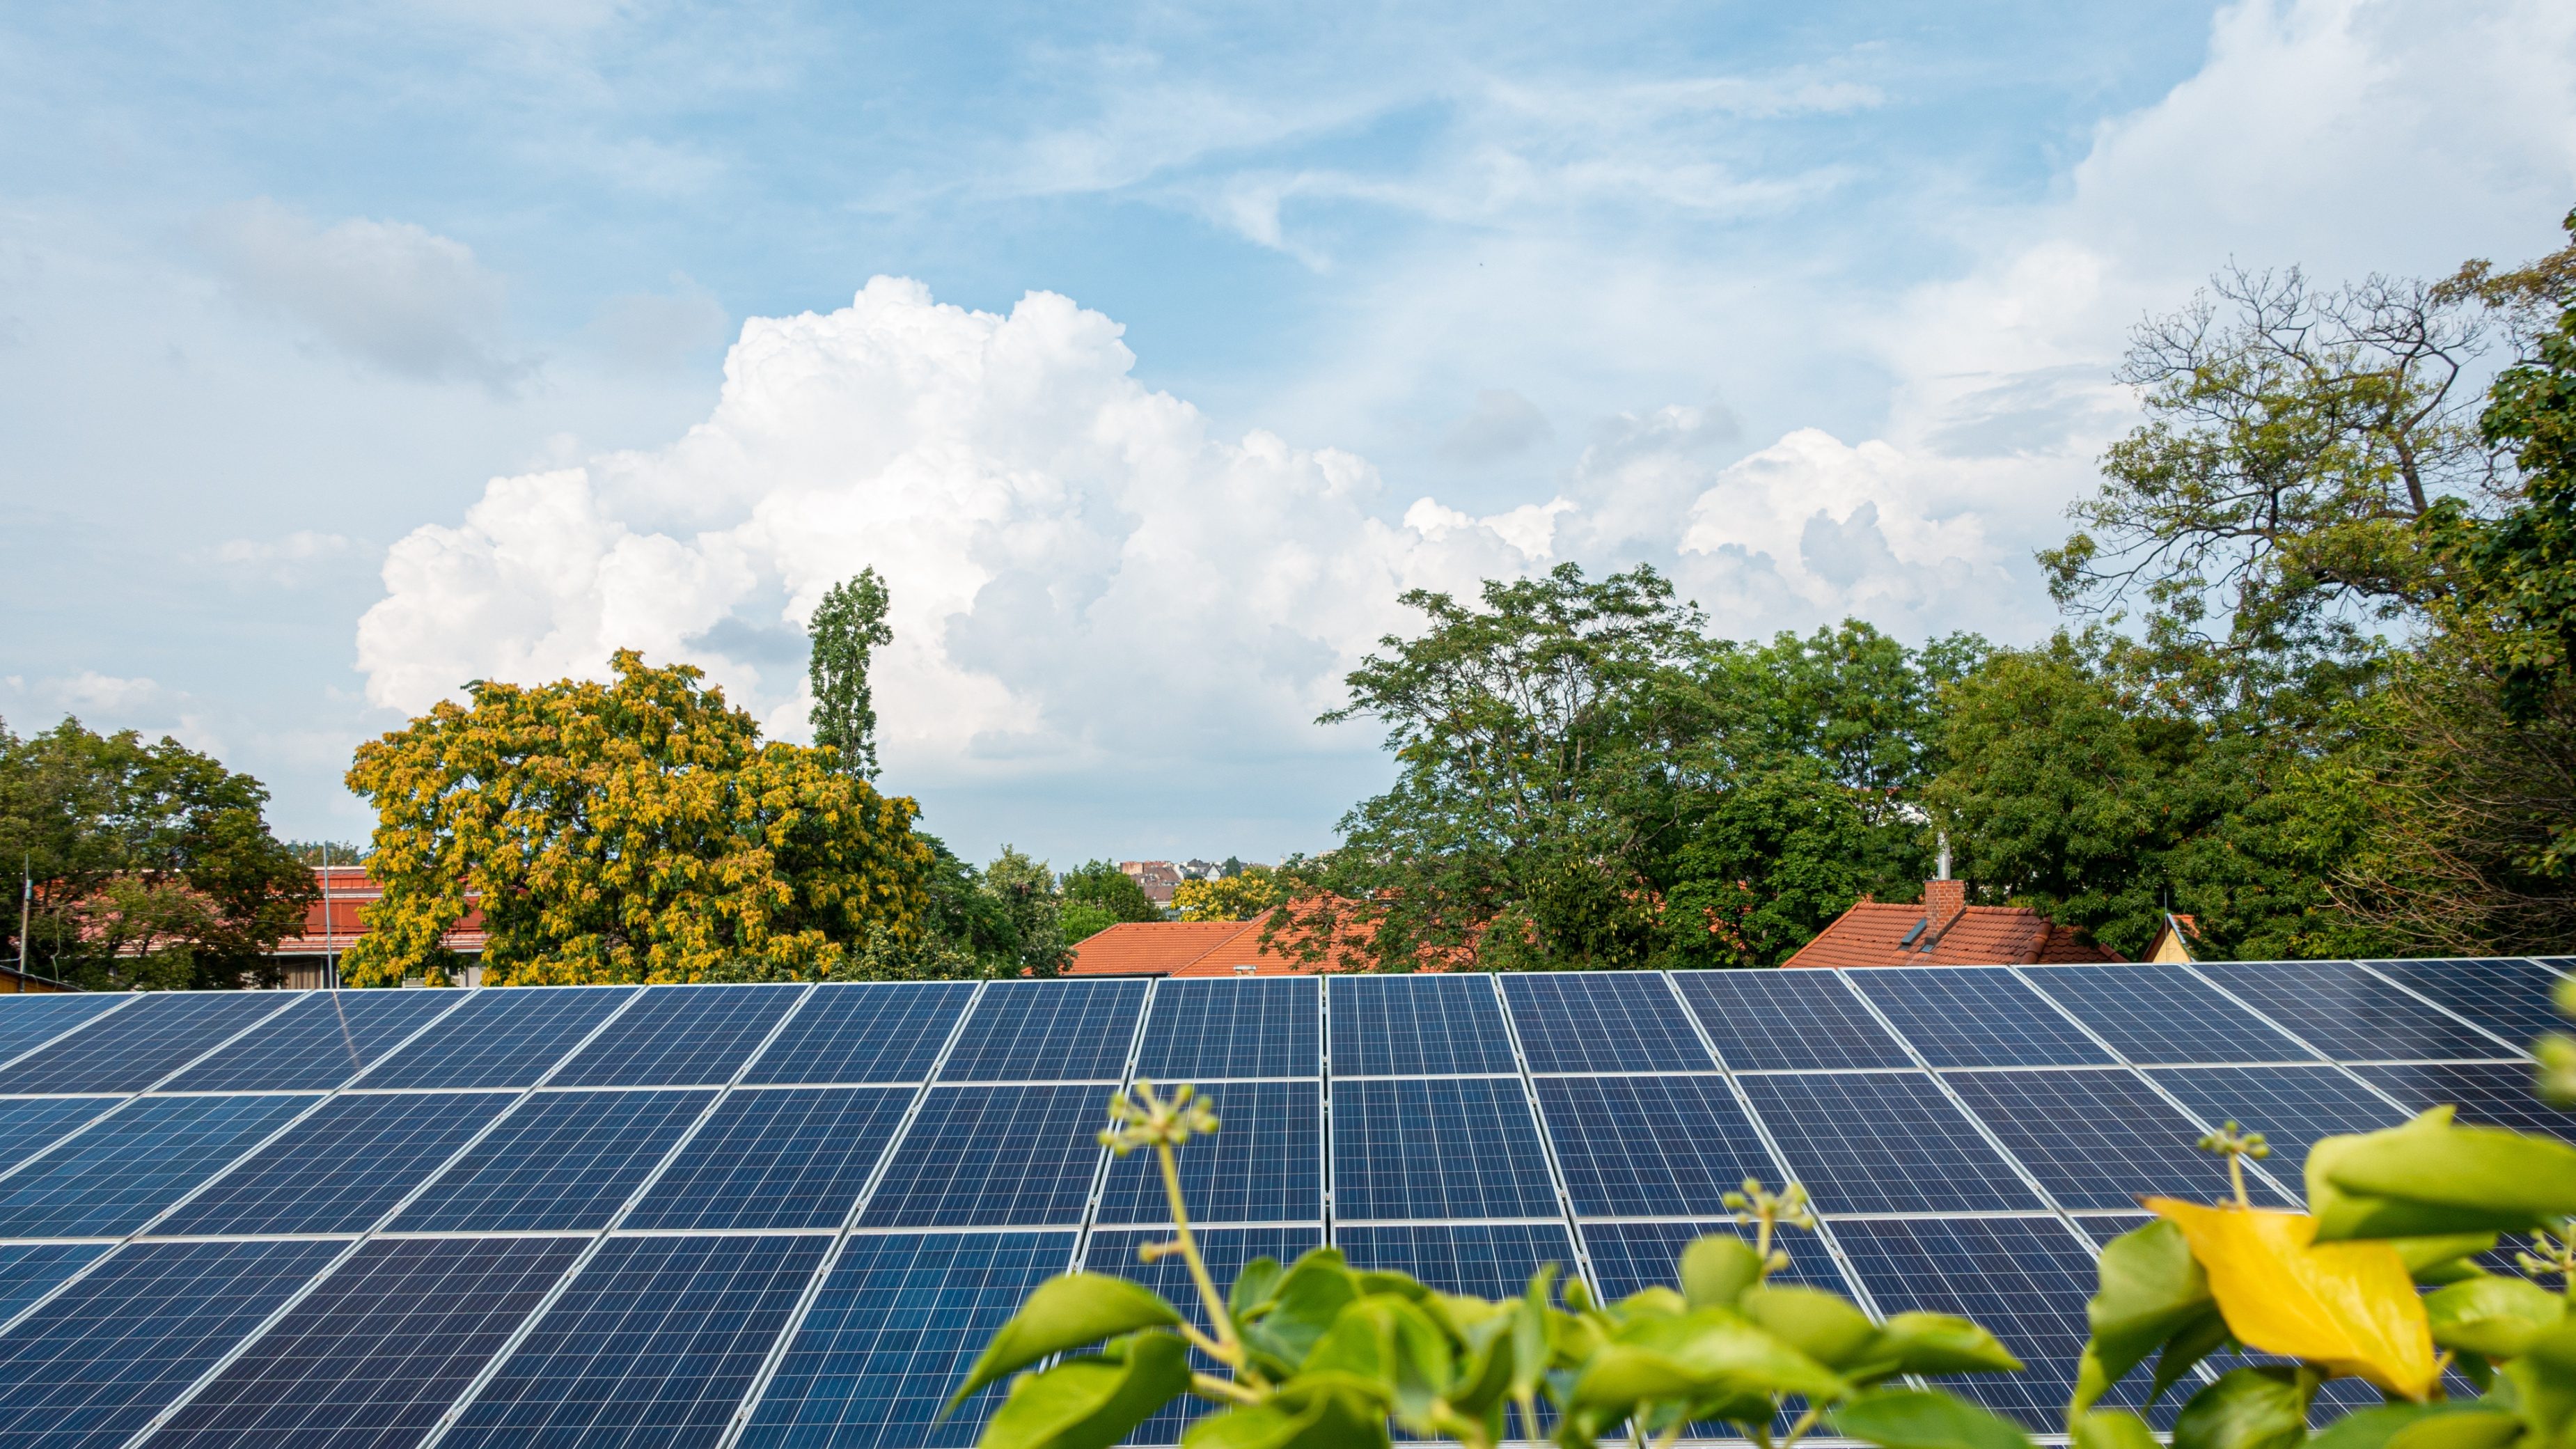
2517	1049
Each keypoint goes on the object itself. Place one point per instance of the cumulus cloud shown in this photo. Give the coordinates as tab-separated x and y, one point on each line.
1080	567
105	693
388	293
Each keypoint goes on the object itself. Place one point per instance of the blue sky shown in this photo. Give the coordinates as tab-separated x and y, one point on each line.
350	353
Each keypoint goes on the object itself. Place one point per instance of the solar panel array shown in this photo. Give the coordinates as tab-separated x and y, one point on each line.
789	1215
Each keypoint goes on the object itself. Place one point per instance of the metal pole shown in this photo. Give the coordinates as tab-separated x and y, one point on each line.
330	957
26	898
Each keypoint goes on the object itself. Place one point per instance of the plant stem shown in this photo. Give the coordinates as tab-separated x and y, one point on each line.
1209	1386
1798	1430
1230	1350
2236	1175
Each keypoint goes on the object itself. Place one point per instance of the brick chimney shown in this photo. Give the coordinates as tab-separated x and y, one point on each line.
1943	900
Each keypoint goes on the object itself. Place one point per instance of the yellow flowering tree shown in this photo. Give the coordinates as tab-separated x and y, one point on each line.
629	831
1240	897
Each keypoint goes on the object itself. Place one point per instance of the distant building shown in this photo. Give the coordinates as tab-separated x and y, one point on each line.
332	926
1944	930
2173	939
1157	878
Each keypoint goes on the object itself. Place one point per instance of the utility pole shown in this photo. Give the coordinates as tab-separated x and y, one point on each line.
330	956
26	899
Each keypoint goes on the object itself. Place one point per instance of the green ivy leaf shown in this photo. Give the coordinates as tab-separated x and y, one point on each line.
1925	1419
1064	1313
2431	1176
1824	1326
1717	1269
1092	1402
2152	1293
2248	1408
1310	1295
1320	1420
2111	1429
1250	1296
1709	1353
2385	1427
2493	1316
1941	1343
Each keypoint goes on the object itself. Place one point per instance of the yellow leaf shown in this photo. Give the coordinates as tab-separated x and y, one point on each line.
2348	1307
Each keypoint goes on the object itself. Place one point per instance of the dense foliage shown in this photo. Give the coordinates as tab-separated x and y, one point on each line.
153	865
630	831
1241	894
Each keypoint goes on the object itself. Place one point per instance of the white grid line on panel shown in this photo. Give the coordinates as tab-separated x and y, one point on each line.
431	1091
249	1238
1214	1225
1821	1071
461	1235
2152	1085
1590	1076
831	1259
294	1300
722	1232
599	1240
1430	1076
2518	1054
1324	1118
131	997
1448	1223
1546	1145
1771	1144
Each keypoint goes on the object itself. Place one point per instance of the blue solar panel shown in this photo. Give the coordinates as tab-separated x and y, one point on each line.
115	1176
1226	1250
1603	1022
129	1050
655	1343
2291	1106
565	1160
97	1363
1267	1026
2491	1094
28	1271
994	1156
29	1020
1266	1165
2026	1279
1788	1021
1048	1031
1977	1016
1401	1025
681	1036
1627	1257
340	1169
375	1355
891	1334
316	1044
864	1032
790	1158
503	1037
2163	1014
1437	1148
1644	1146
2509	998
2350	1014
1880	1142
29	1125
2100	1139
1489	1260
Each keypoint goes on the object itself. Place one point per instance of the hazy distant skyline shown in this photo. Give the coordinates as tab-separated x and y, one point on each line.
355	352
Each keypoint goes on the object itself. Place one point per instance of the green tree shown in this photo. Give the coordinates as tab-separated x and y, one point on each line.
631	831
848	627
1024	889
1097	895
153	864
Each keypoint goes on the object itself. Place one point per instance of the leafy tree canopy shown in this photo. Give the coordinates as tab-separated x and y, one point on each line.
153	864
848	627
1250	891
631	831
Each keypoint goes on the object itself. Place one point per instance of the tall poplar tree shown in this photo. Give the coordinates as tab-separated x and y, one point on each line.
848	628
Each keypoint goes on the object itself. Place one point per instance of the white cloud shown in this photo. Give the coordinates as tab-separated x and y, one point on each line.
91	690
287	560
388	293
1080	568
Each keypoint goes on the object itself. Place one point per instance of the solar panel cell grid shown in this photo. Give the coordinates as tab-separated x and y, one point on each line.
2349	1014
1265	1165
891	1334
1884	1142
1977	1016
681	1036
112	1178
377	1353
564	1160
994	1156
2509	998
28	1271
1788	1021
864	1032
2099	1139
27	1021
2489	1094
342	1168
1628	1257
1441	1148
1623	1022
316	1044
2156	1014
2026	1279
1489	1260
1048	1031
1267	1026
1639	1146
2291	1106
789	1158
129	1050
29	1125
655	1343
503	1037
88	1369
1404	1025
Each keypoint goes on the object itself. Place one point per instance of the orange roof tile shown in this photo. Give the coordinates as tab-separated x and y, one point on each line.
1873	933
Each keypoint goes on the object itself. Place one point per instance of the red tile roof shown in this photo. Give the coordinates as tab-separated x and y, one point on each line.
332	924
1189	948
1956	934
